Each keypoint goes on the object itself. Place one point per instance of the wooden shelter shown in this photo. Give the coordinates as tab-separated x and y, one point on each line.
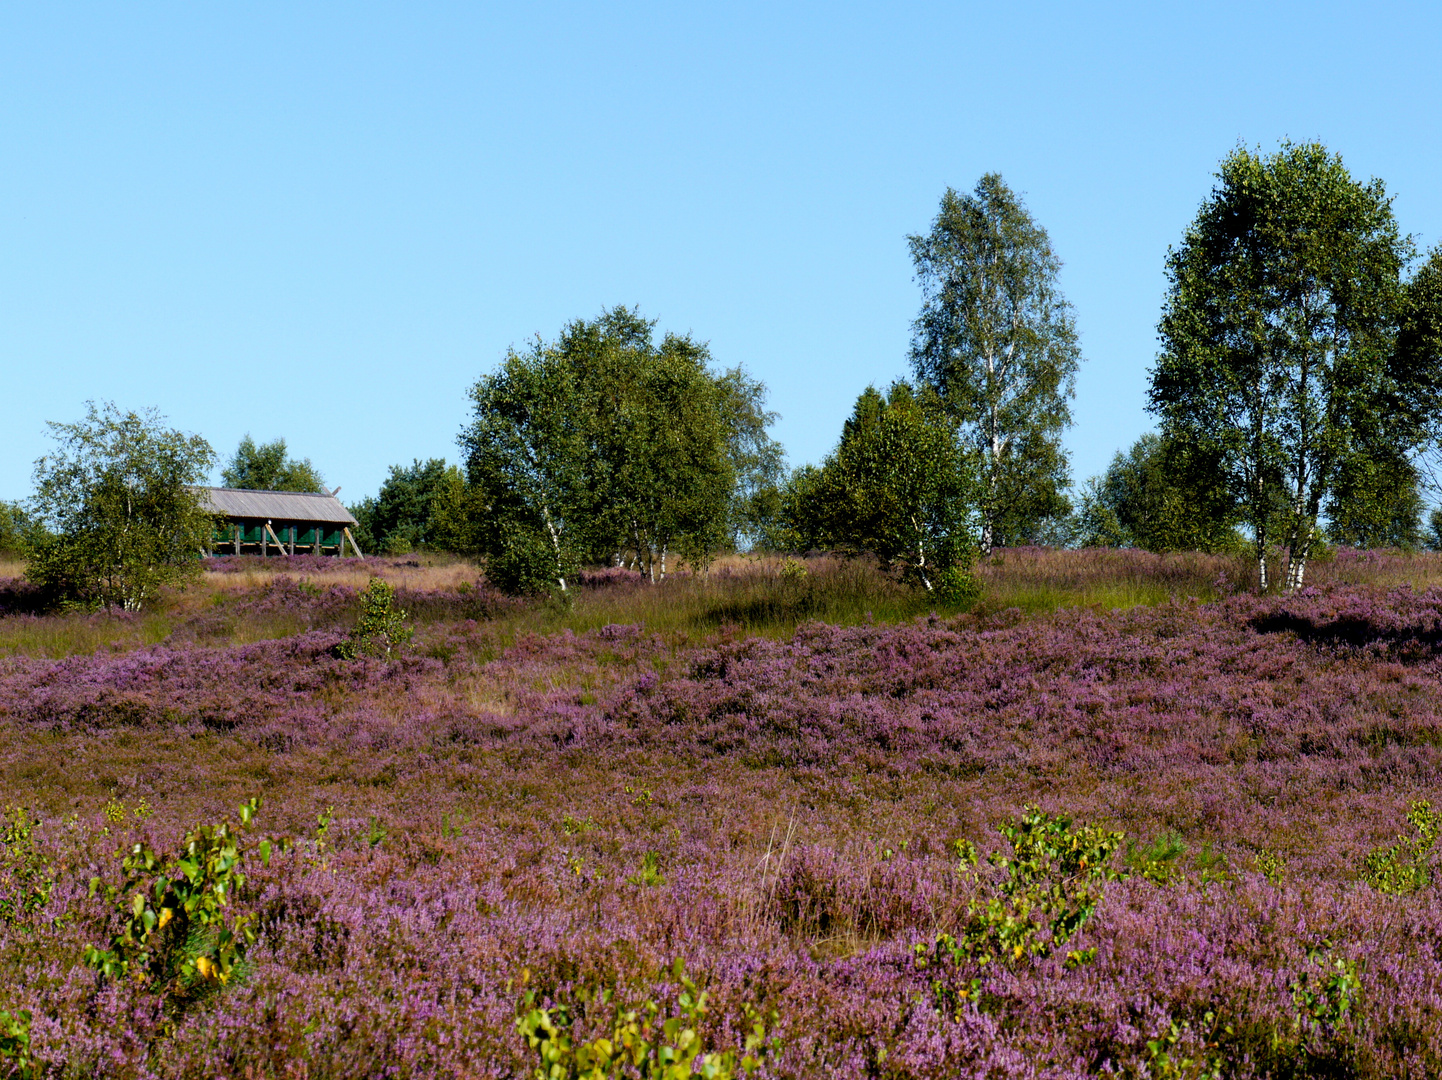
279	522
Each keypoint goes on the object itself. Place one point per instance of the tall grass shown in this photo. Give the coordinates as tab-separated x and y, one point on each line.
756	596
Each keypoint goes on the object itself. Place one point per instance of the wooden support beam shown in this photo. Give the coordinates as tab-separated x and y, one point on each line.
345	535
237	539
272	534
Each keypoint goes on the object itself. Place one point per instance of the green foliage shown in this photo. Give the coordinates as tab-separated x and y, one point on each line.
1158	861
15	1044
1271	865
898	485
1170	1056
1405	865
1045	891
997	340
606	445
26	876
382	627
956	587
18	531
117	497
1326	992
457	515
650	873
401	516
1161	495
1277	338
268	467
639	1043
177	934
1377	502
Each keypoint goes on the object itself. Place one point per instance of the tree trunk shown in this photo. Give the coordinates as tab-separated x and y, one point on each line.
555	545
1261	554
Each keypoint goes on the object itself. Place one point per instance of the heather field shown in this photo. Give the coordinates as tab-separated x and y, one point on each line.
1123	819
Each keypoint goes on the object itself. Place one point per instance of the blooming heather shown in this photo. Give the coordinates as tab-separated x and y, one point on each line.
562	812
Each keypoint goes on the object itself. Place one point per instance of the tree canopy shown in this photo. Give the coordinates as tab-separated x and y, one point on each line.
119	501
1160	495
268	467
997	341
1278	337
400	517
899	485
606	445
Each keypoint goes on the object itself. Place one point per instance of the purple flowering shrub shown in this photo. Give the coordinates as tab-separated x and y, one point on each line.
843	836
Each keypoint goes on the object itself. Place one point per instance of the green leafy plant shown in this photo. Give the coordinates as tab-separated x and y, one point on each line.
640	796
1326	992
382	627
1166	1060
573	825
650	873
1271	865
1404	866
377	832
957	587
15	1043
26	875
640	1042
1046	889
1158	861
177	931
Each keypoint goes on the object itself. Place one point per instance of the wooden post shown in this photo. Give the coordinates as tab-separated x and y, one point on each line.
345	535
265	540
237	539
291	550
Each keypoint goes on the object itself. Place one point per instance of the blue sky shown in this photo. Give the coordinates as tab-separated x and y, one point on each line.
323	222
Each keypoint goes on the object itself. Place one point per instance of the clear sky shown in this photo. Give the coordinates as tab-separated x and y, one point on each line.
324	221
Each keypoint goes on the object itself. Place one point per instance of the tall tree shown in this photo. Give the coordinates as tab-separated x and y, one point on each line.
608	445
997	340
398	518
269	467
1160	495
1377	502
1278	333
525	453
1417	367
899	485
118	499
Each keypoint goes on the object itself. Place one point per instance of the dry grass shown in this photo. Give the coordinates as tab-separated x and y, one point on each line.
11	567
419	572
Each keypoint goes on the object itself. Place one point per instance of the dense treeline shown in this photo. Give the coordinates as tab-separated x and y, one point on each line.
1298	391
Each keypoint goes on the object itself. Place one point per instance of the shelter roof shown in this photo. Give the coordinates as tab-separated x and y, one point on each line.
275	505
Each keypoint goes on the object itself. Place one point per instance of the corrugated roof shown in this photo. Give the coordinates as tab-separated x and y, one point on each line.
275	505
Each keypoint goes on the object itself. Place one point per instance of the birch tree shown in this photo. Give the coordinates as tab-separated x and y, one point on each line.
997	341
607	446
899	485
525	451
1278	336
121	513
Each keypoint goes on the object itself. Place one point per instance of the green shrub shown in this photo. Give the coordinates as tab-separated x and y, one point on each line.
1046	889
639	1043
1404	866
956	587
382	627
15	1043
177	934
1158	861
26	877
